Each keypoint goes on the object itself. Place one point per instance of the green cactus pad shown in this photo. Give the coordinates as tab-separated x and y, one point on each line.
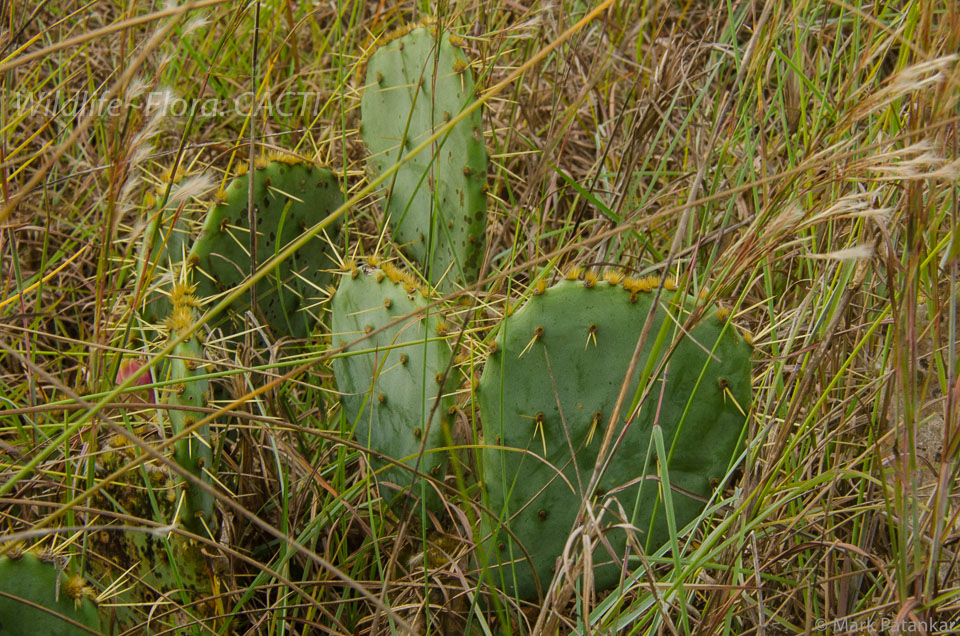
289	198
436	203
29	578
547	393
194	452
389	381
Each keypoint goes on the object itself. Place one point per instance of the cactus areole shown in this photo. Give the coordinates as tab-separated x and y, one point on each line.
546	397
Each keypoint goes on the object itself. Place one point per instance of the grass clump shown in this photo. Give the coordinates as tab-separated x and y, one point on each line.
796	164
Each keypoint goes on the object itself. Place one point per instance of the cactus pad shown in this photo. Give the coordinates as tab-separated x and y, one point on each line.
436	203
194	452
165	245
547	393
390	381
29	578
289	197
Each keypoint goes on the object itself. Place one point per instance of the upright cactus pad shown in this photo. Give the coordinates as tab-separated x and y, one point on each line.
169	564
436	203
390	381
194	452
547	393
289	197
66	601
165	245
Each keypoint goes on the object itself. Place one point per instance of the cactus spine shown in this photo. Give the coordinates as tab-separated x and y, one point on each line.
436	205
390	382
548	392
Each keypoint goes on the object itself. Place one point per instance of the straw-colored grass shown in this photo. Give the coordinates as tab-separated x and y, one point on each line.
798	162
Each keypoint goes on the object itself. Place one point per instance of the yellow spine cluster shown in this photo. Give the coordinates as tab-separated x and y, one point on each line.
180	318
649	283
184	302
282	157
392	272
636	286
410	282
77	588
182	295
630	284
407	280
351	268
614	276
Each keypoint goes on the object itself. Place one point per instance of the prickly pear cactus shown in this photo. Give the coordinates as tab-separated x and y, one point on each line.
436	203
165	245
390	381
547	393
23	576
167	564
290	197
194	452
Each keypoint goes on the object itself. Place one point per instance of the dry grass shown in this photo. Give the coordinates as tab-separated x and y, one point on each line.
797	162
